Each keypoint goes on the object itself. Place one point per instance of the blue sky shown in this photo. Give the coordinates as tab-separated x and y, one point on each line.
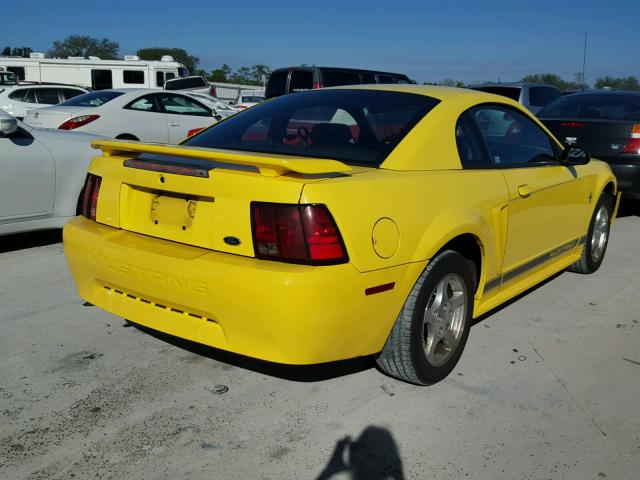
429	41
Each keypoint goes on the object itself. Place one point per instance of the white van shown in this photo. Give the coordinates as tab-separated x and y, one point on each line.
95	73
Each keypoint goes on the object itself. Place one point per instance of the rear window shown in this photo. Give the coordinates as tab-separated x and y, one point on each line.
48	96
277	84
606	106
301	80
510	92
92	99
182	83
354	126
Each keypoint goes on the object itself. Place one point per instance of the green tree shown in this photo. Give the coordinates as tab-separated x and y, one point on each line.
221	74
81	46
628	83
16	52
178	54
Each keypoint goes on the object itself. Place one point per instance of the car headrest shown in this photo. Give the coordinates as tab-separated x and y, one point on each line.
331	134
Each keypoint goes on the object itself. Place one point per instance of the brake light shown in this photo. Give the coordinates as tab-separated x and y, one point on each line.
212	91
633	144
317	84
90	196
572	124
296	234
193	131
76	122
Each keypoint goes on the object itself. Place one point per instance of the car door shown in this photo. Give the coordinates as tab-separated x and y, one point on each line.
184	115
547	200
143	118
27	183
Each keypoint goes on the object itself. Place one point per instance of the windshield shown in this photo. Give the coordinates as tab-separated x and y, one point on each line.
606	106
92	99
358	126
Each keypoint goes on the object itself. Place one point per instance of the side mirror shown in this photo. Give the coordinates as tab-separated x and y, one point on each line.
575	156
8	125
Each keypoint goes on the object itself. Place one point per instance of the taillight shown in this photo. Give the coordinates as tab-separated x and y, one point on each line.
193	131
90	196
76	122
572	124
296	234
633	144
317	84
212	91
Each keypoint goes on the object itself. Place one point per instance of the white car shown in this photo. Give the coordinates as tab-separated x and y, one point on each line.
248	99
43	172
131	114
19	99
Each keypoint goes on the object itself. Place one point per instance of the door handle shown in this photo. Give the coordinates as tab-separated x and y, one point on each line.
524	191
174	124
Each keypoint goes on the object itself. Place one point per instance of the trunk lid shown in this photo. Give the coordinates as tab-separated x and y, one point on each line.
198	196
53	117
601	138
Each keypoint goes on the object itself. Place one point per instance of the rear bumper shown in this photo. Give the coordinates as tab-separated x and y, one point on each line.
627	172
293	314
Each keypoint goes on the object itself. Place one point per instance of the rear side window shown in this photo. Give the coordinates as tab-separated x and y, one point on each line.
606	106
541	96
277	84
367	78
470	145
301	80
68	93
334	78
357	126
510	92
144	104
403	80
92	99
48	96
135	77
19	94
385	78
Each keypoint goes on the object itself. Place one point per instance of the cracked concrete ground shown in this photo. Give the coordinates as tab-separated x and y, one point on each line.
548	388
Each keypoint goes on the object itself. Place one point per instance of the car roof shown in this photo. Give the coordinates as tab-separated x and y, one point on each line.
434	91
342	69
604	92
43	85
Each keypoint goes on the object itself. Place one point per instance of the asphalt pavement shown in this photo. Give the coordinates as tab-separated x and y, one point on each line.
548	388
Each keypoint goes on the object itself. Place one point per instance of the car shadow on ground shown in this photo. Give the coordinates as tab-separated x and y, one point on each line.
296	373
20	241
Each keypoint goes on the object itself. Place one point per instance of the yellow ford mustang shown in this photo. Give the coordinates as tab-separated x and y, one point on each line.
337	223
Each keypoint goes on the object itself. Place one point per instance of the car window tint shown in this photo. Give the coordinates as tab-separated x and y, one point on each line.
334	78
471	149
385	79
301	80
18	94
360	126
367	78
92	99
48	96
30	96
541	96
512	138
564	107
68	93
277	84
177	104
144	104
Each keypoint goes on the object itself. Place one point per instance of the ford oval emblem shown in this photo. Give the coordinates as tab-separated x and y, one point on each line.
232	241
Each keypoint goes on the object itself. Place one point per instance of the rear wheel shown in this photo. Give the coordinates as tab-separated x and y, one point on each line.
431	331
127	136
597	237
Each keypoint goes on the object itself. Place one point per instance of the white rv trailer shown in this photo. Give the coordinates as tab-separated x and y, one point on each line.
95	73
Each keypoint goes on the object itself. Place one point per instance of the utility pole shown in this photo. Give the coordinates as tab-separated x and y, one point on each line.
584	61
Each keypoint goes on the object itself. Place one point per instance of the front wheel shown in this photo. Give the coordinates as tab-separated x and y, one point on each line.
431	331
597	238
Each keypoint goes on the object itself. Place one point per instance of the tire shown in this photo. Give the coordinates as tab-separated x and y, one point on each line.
597	239
429	335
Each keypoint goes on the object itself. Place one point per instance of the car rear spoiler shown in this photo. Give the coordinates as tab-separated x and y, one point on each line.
269	165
